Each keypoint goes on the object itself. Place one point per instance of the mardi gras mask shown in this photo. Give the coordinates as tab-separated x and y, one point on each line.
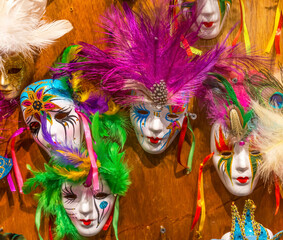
236	164
51	99
16	74
88	210
245	226
156	128
211	15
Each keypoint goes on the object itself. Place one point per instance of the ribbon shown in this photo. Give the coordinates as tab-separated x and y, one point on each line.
277	194
92	154
278	34
200	209
275	29
246	33
37	220
50	229
116	217
11	183
186	124
16	168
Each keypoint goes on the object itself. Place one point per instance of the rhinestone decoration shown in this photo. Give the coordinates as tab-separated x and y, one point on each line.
159	94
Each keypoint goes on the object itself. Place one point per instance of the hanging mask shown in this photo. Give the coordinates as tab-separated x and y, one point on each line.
236	163
156	128
245	226
16	74
52	99
88	210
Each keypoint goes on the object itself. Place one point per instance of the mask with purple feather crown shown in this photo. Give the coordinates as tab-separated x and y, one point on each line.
146	69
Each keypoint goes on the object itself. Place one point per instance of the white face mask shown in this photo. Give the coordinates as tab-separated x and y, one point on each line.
155	128
88	210
236	165
209	18
63	123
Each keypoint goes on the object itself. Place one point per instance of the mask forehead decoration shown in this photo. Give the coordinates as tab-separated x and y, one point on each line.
65	189
146	66
245	226
20	41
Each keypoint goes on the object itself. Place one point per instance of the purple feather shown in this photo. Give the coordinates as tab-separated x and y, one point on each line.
7	107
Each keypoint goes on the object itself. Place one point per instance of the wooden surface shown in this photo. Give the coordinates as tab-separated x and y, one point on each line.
160	194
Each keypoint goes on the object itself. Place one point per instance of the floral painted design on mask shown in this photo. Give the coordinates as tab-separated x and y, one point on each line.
38	103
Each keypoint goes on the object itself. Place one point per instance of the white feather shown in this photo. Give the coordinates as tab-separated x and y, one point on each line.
22	28
270	140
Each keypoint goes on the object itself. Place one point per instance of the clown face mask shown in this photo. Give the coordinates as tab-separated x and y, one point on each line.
16	74
157	128
88	210
236	164
211	15
50	98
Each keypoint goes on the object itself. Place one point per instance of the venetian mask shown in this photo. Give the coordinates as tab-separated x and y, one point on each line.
211	15
236	164
50	98
156	128
16	74
88	210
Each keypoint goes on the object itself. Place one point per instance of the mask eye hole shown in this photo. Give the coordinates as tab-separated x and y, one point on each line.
226	154
101	195
172	115
255	152
14	70
34	127
61	115
142	112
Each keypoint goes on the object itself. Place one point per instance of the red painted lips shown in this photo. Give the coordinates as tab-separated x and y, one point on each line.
154	140
242	179
86	222
208	24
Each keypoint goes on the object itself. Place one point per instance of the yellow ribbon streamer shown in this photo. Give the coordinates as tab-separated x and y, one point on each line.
202	218
277	19
246	33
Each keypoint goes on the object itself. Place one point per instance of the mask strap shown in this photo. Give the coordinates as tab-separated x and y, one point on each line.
276	31
186	124
116	217
91	152
246	34
16	168
50	229
200	209
277	193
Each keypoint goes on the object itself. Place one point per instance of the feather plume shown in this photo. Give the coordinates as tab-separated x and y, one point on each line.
269	140
22	29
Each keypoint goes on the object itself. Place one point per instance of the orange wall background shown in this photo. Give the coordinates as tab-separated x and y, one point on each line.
161	193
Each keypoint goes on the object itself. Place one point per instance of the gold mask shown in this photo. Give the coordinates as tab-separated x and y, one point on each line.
16	74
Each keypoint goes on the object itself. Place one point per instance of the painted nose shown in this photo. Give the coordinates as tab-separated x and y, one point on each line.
207	7
156	125
242	162
4	83
86	204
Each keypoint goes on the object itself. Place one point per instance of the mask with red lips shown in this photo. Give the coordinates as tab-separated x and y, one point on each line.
88	210
236	164
156	128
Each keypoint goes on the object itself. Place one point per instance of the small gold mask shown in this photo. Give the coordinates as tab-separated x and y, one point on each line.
16	74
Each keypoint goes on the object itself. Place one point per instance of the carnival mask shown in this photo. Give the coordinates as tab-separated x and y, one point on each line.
236	164
156	128
16	74
88	210
50	98
211	15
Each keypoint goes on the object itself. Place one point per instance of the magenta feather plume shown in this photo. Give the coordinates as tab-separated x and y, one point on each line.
7	107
